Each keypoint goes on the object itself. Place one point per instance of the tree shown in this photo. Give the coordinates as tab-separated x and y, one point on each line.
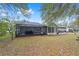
77	21
14	9
3	27
53	12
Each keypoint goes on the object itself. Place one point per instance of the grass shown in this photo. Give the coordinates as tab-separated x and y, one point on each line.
4	40
43	45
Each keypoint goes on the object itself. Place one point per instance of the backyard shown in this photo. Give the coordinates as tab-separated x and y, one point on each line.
52	45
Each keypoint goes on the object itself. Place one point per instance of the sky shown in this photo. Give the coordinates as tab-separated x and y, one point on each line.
34	9
36	13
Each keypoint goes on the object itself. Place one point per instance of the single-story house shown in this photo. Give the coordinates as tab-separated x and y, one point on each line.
26	28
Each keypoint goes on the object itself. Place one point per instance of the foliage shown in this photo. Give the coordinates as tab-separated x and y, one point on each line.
3	27
23	8
5	37
14	7
53	12
77	21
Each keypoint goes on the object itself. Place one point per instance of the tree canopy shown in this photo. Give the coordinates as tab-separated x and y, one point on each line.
9	25
77	21
3	27
53	12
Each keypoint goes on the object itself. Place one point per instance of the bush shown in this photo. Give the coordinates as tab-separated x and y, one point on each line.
2	33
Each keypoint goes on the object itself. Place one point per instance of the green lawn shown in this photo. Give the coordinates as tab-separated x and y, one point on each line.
43	45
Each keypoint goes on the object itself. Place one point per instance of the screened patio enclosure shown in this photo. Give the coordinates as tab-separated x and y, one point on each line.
32	28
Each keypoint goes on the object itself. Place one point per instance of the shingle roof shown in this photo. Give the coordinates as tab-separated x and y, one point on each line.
28	23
